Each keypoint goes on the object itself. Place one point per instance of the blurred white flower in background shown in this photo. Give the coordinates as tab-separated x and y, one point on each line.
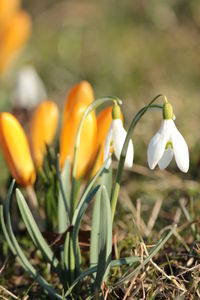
29	89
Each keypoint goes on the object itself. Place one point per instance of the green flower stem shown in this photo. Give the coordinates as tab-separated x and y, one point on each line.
73	198
138	116
89	109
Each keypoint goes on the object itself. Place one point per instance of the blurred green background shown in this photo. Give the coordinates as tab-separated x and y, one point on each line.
132	49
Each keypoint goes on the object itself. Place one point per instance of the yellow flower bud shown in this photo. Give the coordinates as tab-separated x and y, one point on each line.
77	101
81	92
7	9
16	150
14	38
43	125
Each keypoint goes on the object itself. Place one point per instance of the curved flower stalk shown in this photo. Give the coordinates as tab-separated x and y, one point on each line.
73	113
115	139
30	89
168	142
16	150
13	37
43	125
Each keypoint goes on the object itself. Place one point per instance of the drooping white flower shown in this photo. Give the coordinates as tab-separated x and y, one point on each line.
115	139
166	143
30	89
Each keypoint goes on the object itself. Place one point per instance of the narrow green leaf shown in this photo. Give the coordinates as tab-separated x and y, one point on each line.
87	196
95	230
5	232
78	219
105	239
21	256
64	195
87	190
113	264
106	179
34	231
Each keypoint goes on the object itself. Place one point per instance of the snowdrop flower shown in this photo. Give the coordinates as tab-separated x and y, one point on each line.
115	140
168	142
30	89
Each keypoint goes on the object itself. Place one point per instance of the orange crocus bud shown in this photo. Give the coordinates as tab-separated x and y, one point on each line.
14	38
16	150
77	101
7	10
104	120
43	125
81	92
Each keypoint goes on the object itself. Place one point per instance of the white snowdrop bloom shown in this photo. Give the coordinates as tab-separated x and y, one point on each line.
115	139
30	89
166	143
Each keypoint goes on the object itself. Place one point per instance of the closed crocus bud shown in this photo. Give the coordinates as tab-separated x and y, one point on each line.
16	150
7	10
42	129
79	97
14	38
81	92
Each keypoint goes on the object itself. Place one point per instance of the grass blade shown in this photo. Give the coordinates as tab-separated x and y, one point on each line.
159	245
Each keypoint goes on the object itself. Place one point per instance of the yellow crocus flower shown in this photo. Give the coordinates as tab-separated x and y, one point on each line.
82	92
43	125
14	37
7	9
77	101
16	150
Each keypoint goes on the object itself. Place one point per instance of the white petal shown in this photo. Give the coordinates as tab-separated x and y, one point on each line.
180	148
157	144
119	135
166	158
107	147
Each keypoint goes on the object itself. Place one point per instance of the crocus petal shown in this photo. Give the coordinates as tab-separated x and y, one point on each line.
16	150
180	148
157	145
166	158
42	129
107	147
14	38
119	135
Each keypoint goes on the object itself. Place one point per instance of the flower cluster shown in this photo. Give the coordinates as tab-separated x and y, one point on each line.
100	137
15	144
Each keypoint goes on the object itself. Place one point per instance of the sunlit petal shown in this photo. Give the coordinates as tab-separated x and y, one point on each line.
166	158
181	152
119	135
157	145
